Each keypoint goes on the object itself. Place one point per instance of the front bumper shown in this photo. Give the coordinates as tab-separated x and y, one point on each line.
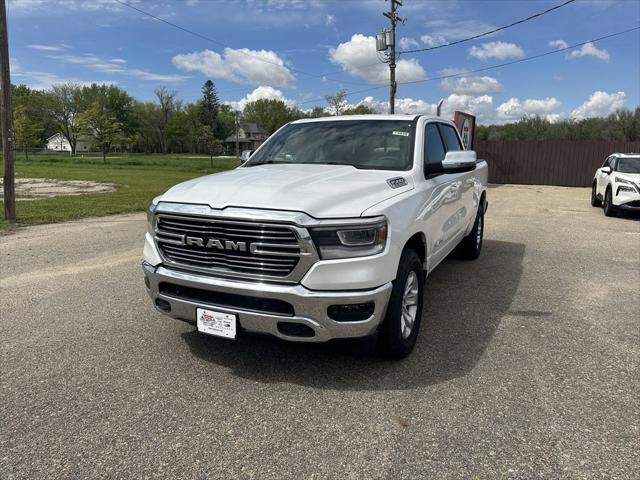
626	200
309	306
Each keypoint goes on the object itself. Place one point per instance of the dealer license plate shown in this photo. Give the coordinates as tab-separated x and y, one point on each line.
220	324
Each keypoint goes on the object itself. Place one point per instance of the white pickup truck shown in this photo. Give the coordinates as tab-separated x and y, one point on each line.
327	231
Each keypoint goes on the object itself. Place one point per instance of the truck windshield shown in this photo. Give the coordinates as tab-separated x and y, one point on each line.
629	165
368	144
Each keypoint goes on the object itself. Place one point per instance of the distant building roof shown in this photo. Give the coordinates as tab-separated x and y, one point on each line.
252	128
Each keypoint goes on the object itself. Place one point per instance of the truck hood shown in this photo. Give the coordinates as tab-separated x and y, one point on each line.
322	191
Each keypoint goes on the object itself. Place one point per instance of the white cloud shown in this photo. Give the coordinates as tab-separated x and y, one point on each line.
443	31
499	50
471	85
431	41
481	106
590	50
116	66
263	91
65	6
406	43
560	44
514	110
599	104
358	57
48	48
238	65
39	80
330	19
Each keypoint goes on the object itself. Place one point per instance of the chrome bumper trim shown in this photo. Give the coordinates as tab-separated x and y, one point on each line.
310	306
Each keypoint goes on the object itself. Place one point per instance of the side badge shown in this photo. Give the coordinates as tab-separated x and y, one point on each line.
397	182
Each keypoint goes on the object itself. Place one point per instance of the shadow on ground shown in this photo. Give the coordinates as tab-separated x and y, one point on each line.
464	304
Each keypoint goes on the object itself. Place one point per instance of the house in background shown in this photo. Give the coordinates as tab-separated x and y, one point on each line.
58	143
250	137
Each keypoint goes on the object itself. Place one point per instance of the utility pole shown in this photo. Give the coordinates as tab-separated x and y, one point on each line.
237	137
386	40
7	120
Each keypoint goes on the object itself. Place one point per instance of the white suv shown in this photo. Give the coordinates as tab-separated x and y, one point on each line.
616	185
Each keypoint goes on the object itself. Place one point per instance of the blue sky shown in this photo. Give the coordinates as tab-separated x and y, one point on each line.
300	50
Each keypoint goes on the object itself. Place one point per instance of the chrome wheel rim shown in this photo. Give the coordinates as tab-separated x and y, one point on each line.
409	304
479	233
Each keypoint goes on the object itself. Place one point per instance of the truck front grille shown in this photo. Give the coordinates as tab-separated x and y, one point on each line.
225	246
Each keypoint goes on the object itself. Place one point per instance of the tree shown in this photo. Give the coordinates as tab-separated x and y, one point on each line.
317	112
168	106
27	132
360	110
209	106
226	122
211	144
65	107
270	114
99	123
337	103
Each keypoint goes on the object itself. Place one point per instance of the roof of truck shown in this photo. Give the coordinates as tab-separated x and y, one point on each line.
400	117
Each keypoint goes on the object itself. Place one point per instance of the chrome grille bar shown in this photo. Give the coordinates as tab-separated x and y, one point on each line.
225	247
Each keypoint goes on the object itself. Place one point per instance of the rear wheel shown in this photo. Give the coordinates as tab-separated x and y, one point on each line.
609	207
595	201
399	331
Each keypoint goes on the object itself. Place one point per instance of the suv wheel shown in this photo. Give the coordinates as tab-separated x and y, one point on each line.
470	246
399	330
595	201
609	207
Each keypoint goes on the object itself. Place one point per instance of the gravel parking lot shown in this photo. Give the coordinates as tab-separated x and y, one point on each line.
526	366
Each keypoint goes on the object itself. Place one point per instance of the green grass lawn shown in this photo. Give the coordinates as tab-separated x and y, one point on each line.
138	178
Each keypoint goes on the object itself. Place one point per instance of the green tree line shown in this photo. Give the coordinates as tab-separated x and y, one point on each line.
109	118
623	125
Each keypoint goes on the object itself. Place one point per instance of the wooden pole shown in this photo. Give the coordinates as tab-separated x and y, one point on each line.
7	120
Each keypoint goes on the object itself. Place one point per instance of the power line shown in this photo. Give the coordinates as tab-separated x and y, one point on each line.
490	67
504	27
526	59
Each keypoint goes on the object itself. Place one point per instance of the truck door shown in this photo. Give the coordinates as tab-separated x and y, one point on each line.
442	200
469	190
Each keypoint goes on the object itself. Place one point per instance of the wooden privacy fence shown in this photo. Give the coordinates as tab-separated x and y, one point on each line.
564	162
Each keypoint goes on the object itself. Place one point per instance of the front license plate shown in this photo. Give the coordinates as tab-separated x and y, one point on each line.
220	324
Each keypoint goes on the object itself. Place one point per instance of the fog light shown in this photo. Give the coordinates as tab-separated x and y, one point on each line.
355	312
163	305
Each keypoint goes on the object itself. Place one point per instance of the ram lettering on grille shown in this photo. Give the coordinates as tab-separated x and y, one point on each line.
227	246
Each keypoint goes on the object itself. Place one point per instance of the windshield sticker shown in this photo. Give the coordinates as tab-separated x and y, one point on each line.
402	134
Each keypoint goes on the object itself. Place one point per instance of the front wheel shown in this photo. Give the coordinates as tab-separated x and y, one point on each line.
608	206
595	201
470	246
399	330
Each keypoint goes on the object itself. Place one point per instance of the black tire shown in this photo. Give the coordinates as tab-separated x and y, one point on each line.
609	208
471	245
392	342
595	201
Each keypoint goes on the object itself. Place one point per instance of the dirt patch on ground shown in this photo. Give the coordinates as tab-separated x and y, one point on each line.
38	188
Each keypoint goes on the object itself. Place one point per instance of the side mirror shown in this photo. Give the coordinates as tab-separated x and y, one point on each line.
606	170
454	162
461	160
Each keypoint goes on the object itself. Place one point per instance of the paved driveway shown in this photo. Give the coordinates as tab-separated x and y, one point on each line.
527	365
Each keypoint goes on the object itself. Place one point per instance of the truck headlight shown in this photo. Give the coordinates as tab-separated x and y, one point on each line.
150	212
348	241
